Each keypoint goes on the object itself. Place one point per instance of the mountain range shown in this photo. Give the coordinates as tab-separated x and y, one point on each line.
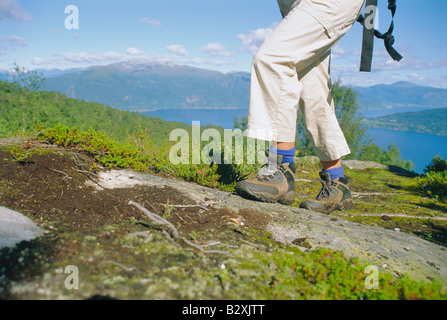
432	121
401	94
146	86
142	85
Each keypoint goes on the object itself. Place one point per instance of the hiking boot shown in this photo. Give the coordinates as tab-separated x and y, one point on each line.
275	182
334	195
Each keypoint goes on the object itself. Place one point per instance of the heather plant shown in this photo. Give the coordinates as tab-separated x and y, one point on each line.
434	183
141	152
437	164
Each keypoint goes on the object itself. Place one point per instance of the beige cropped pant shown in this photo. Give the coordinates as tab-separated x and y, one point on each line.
292	68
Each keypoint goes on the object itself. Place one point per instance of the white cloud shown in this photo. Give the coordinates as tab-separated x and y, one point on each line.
153	23
134	52
177	49
38	61
78	59
11	42
216	50
338	52
387	71
178	55
254	38
90	58
212	62
382	62
16	41
10	9
416	76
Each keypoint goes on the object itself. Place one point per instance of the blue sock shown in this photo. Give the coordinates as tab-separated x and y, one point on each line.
336	172
287	155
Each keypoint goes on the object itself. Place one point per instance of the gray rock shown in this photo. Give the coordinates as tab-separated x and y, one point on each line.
400	252
15	228
360	165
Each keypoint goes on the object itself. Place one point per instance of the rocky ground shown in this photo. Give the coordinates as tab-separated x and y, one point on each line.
203	243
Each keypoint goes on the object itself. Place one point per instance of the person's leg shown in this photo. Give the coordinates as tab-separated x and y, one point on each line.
303	37
335	168
286	149
328	165
323	130
318	110
274	96
275	89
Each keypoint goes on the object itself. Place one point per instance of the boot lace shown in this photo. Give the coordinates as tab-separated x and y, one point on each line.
325	190
267	171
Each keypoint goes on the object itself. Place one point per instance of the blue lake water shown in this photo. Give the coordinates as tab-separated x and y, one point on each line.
417	147
420	148
218	117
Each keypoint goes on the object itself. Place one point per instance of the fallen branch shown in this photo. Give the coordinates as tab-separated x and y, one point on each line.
168	236
120	265
57	171
156	218
211	244
174	232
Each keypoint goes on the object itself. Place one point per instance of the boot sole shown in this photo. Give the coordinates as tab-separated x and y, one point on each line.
344	205
341	206
286	199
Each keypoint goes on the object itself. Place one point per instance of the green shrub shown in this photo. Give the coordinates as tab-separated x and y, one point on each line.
437	164
323	274
140	152
434	185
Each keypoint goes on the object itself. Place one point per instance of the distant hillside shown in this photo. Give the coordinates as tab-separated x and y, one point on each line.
144	86
405	94
50	108
430	121
147	85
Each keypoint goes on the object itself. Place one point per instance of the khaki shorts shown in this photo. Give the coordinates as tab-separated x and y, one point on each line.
292	69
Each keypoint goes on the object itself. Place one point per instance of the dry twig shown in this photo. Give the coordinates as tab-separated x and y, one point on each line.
173	231
57	171
128	269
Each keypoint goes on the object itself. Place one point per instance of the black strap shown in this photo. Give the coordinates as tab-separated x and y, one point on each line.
369	33
368	37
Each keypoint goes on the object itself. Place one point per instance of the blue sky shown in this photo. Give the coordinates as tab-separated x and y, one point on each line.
210	34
